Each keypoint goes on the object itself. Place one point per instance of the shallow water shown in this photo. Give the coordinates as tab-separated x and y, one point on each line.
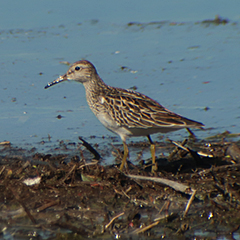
184	64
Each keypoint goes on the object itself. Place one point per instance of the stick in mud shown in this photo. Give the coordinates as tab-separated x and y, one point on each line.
90	148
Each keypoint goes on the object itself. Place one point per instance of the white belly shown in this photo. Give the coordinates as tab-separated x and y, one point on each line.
113	126
125	132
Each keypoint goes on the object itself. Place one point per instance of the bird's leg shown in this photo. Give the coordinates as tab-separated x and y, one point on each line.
153	150
125	155
192	135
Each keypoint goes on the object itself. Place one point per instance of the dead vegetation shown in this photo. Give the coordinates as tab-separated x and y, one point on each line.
52	197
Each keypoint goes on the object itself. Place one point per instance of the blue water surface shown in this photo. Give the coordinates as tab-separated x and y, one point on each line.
186	65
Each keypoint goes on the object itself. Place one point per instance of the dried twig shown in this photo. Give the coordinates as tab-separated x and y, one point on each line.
189	202
119	215
191	133
23	205
69	173
50	204
2	170
175	185
87	164
90	148
165	205
191	151
218	168
174	152
25	165
144	229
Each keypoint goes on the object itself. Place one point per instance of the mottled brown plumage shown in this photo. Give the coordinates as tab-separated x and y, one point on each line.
124	112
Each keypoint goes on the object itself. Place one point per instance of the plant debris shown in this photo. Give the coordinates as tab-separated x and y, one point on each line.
61	198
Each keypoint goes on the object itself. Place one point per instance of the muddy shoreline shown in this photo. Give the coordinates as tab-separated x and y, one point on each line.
194	193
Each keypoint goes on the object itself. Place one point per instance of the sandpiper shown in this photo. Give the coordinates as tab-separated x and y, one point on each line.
124	112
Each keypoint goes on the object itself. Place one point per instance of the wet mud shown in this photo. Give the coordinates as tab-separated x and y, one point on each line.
195	193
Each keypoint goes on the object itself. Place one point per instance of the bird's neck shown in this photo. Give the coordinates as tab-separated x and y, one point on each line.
94	88
94	85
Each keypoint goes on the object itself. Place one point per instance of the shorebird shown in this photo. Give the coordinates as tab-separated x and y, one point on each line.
124	112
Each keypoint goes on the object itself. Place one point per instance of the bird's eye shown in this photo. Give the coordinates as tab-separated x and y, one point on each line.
77	68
